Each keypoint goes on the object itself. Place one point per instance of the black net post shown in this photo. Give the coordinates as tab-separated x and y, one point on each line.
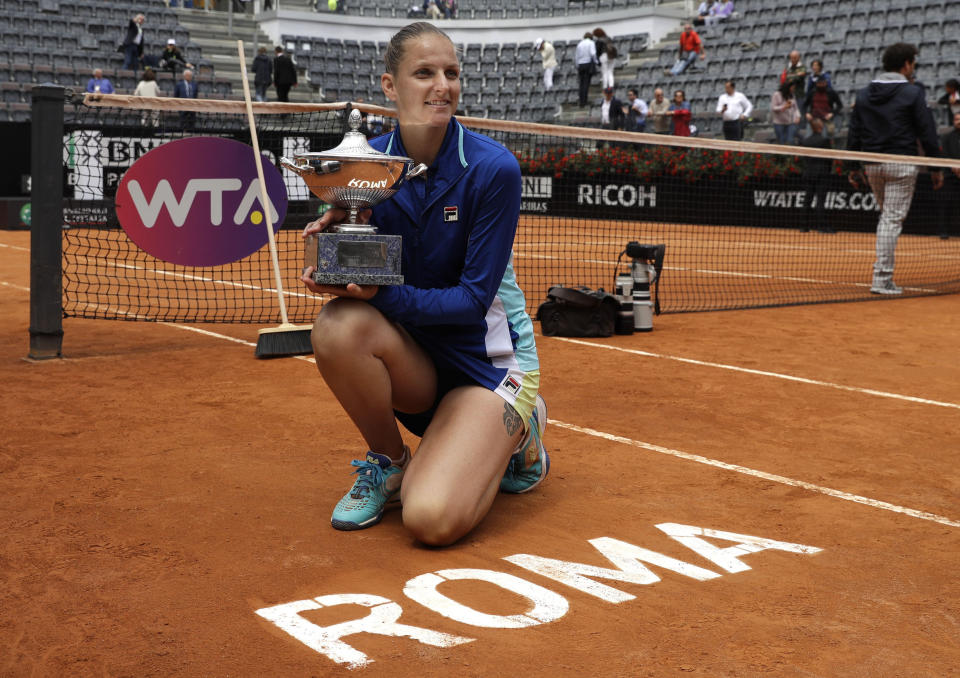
46	197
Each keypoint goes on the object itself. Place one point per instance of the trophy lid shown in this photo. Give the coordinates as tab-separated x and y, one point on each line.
354	146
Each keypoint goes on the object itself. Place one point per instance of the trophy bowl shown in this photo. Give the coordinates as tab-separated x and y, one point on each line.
353	176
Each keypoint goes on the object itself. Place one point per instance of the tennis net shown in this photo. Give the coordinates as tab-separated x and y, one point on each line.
744	225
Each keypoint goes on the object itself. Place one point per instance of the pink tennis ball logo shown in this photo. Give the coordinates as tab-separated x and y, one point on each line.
197	202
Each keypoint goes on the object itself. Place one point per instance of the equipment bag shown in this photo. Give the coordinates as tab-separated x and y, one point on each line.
578	312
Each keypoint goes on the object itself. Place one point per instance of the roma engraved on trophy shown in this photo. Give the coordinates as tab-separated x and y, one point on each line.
353	176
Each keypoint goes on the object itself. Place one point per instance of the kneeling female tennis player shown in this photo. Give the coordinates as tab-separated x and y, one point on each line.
450	354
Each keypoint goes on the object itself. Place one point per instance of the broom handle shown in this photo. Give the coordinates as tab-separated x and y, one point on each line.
264	198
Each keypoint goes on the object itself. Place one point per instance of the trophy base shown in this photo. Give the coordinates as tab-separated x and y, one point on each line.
363	259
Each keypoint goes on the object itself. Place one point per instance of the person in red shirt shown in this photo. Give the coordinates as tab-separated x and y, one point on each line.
690	48
680	110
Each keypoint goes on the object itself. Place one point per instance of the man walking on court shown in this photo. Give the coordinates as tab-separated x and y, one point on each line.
891	116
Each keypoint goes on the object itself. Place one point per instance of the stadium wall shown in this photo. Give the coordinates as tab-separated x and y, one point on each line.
658	21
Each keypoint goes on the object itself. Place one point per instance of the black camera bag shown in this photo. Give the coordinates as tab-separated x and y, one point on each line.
578	312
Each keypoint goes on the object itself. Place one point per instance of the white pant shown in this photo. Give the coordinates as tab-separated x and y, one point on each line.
606	70
892	185
548	79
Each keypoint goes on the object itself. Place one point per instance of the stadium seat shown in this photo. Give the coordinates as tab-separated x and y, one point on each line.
43	73
933	13
22	73
19	112
10	92
497	111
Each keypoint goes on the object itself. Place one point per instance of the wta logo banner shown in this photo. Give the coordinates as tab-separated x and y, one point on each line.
196	202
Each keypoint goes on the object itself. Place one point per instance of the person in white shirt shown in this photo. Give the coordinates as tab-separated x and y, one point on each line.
637	114
735	108
147	87
549	57
587	63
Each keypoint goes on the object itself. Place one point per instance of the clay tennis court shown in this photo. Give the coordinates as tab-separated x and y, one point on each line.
159	486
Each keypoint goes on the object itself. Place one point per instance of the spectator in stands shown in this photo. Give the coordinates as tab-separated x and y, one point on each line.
284	74
785	113
548	55
659	110
147	87
951	99
680	114
796	73
735	109
587	62
891	116
262	69
186	89
132	45
171	57
431	10
824	103
721	13
706	10
703	11
950	205
817	72
98	83
606	53
816	175
611	110
637	112
689	49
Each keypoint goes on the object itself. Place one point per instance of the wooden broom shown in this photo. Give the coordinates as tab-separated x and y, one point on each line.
286	339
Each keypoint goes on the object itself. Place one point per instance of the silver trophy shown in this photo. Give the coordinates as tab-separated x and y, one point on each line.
353	176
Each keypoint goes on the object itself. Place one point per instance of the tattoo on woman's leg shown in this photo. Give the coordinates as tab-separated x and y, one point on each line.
511	419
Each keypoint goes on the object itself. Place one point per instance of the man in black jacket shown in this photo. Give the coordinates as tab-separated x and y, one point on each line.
890	116
611	111
816	174
132	46
284	74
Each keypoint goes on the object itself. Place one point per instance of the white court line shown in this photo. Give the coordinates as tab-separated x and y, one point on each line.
217	335
15	247
16	287
186	276
846	496
731	274
764	373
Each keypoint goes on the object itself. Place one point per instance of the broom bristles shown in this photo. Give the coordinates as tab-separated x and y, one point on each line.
287	339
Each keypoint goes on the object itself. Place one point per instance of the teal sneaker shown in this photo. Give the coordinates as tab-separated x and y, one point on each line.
530	464
377	486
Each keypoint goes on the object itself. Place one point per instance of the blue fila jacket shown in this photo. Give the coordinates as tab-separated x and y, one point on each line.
460	299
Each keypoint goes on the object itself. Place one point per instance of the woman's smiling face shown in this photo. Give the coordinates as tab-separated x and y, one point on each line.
426	85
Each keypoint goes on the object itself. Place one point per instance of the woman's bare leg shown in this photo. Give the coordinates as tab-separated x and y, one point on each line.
452	480
372	367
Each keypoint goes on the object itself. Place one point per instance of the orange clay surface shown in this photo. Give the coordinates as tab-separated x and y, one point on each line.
159	486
